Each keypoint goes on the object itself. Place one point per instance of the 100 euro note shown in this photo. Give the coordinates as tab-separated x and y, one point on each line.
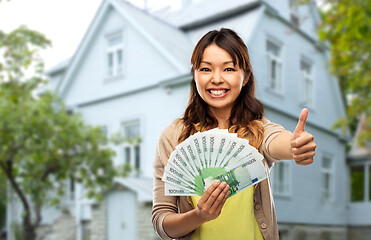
241	175
181	171
209	156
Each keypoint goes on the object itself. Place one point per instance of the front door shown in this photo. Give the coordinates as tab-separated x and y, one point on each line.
121	215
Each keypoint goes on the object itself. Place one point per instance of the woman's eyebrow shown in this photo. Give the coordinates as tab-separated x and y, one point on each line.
212	64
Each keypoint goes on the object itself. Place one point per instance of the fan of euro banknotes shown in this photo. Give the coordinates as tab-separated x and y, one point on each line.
212	155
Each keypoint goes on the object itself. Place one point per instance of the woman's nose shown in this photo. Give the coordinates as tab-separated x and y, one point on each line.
217	78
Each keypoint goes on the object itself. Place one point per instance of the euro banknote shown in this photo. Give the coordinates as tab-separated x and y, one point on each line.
212	155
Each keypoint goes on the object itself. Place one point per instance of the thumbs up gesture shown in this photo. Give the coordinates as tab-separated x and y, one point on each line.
302	143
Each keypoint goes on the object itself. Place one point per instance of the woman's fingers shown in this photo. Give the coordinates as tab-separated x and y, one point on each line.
302	140
208	192
303	149
215	194
226	194
304	156
220	195
311	146
212	201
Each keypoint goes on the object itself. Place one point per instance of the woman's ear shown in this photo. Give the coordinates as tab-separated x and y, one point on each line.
246	79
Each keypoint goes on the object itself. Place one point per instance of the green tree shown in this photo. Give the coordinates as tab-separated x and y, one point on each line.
41	144
2	200
346	25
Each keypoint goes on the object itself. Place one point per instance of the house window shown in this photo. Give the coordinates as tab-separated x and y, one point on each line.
326	236
327	179
274	66
357	183
302	235
114	55
131	133
104	130
306	69
280	177
70	187
283	234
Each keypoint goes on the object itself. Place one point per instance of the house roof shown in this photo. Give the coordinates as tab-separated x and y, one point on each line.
194	14
177	48
170	37
357	151
59	67
162	24
142	186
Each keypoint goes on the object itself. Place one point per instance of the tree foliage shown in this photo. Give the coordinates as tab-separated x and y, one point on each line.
41	144
2	200
346	25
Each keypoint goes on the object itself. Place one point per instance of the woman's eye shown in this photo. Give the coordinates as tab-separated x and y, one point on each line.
229	69
205	69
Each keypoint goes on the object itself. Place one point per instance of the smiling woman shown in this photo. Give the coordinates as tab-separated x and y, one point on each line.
220	62
222	95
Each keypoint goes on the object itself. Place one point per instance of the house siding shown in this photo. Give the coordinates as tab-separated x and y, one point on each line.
294	46
145	106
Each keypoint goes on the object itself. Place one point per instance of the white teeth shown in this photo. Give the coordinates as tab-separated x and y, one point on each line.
217	92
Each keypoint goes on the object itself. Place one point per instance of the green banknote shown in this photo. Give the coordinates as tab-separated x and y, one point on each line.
212	155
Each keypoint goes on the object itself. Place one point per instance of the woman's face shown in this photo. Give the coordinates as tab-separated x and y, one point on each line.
218	81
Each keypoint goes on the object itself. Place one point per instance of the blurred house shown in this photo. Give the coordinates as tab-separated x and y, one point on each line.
359	161
131	73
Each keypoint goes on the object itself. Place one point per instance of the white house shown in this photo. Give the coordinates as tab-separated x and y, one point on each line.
359	161
131	73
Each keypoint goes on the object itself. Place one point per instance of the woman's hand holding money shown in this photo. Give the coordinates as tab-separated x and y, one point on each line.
210	205
208	208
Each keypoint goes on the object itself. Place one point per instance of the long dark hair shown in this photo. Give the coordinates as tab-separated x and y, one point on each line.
247	111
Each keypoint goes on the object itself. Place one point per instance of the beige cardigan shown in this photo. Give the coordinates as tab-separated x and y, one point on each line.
163	205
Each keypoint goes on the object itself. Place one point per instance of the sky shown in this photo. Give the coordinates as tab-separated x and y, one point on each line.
64	22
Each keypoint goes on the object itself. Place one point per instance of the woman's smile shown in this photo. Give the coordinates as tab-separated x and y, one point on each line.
218	93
